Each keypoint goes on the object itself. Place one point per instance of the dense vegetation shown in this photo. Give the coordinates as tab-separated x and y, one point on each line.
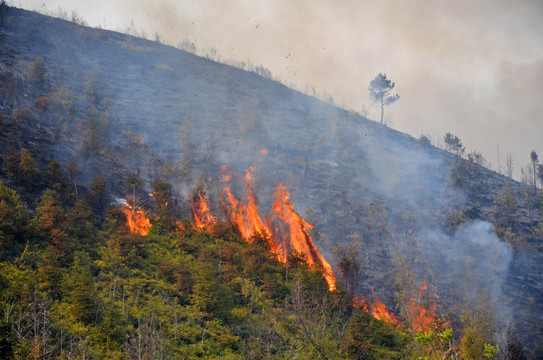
75	283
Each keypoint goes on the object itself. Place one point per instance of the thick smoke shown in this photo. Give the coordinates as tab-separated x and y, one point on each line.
472	259
421	214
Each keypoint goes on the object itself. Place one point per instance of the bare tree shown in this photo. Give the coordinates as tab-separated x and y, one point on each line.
533	157
509	166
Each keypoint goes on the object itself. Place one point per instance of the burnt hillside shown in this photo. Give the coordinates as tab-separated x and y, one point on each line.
120	105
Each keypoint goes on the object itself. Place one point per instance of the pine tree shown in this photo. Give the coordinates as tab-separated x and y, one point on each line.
13	221
380	89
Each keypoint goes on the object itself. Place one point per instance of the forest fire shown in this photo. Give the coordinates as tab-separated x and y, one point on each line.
244	215
422	317
298	238
136	220
377	309
295	235
203	218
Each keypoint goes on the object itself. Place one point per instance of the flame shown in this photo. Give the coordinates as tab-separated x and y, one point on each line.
203	218
136	220
422	317
226	174
298	238
244	216
377	309
264	151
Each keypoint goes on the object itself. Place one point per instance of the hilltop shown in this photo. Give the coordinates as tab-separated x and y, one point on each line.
123	107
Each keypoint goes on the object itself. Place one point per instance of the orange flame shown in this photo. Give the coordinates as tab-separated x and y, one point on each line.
299	238
226	174
264	151
377	309
203	218
137	222
422	317
244	216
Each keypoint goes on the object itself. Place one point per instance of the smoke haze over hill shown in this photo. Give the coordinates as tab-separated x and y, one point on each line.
361	184
469	68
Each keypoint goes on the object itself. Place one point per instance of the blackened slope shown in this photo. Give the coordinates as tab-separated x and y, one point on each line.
352	173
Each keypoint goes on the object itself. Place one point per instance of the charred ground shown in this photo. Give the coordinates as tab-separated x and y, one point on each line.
124	106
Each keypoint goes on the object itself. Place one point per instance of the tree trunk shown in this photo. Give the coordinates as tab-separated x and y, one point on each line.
382	110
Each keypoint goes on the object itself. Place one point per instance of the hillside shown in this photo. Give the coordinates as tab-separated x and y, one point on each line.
122	108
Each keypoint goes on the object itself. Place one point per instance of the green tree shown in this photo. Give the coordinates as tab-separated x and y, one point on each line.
79	224
12	166
453	144
380	89
8	340
162	194
83	297
96	196
506	206
13	221
29	170
50	226
37	74
424	141
55	177
73	172
64	104
210	294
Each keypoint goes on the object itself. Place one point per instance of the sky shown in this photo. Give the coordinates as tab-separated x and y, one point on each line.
471	68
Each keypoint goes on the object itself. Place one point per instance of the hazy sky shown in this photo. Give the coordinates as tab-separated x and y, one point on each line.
472	68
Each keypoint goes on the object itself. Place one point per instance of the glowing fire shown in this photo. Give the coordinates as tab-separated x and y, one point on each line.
244	216
226	173
203	218
298	238
137	222
421	316
264	151
377	309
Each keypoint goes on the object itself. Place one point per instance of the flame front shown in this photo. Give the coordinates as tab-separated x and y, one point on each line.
377	309
244	215
245	218
422	317
203	218
298	237
136	221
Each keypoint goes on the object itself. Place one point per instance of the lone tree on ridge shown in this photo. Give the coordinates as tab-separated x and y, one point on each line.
380	88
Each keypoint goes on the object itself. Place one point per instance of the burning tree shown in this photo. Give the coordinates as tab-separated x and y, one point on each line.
203	218
285	231
380	89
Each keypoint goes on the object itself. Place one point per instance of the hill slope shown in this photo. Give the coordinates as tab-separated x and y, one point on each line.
121	105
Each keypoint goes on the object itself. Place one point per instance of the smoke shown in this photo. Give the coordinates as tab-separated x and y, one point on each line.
472	259
457	67
417	213
363	183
